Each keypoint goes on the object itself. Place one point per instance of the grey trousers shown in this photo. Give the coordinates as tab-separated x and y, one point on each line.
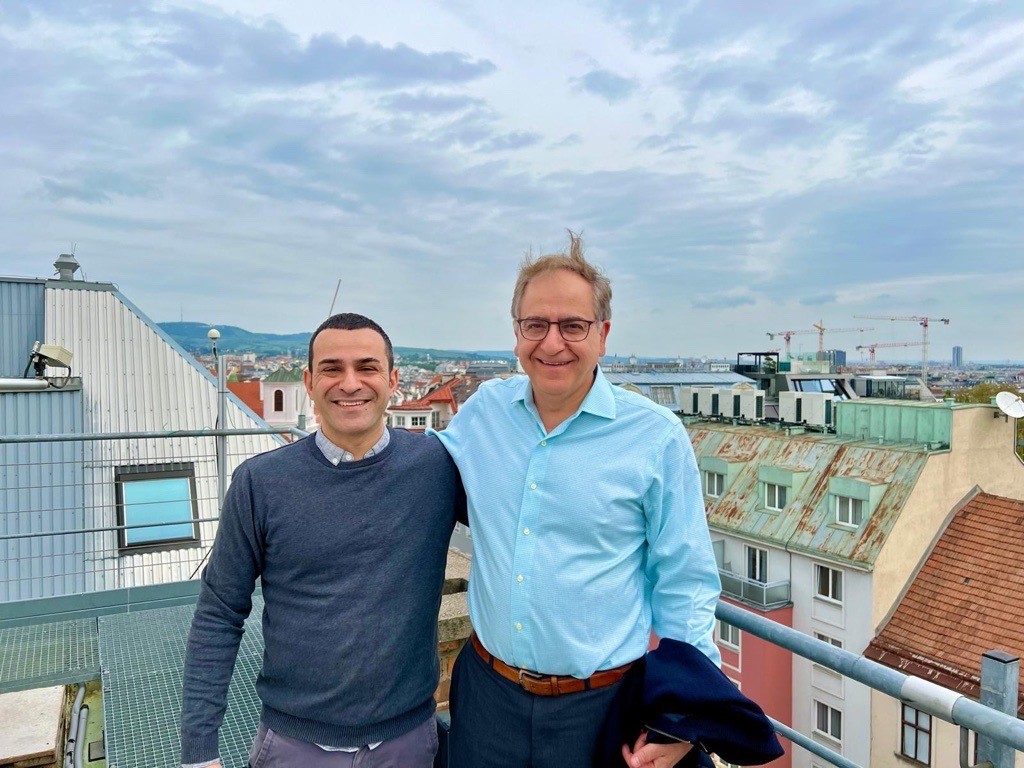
415	749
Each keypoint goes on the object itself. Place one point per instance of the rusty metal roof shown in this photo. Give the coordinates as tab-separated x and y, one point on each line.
807	524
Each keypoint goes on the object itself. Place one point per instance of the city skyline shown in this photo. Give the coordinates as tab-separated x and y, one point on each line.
736	170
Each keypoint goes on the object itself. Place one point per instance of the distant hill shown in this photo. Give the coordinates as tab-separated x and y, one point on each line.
234	340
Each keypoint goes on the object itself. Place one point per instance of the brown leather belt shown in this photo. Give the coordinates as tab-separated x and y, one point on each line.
548	685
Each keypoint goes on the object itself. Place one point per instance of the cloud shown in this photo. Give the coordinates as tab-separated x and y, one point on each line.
429	103
818	299
607	84
808	156
509	141
725	300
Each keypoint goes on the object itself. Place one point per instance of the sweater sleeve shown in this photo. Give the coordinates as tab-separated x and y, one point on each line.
225	599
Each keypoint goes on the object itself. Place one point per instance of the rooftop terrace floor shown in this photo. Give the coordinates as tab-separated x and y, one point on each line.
139	658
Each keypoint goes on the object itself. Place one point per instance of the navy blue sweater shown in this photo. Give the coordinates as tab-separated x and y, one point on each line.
351	559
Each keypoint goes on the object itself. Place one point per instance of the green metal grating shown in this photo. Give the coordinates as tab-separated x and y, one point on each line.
40	655
142	657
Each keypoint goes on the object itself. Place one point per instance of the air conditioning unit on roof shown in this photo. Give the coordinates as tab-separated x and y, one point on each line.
688	400
752	404
815	409
708	401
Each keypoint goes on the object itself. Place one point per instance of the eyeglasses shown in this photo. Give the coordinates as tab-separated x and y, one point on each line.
536	328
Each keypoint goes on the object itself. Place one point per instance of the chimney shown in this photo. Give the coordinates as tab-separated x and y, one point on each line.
66	266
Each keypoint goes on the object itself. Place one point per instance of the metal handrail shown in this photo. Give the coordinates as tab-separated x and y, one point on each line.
72	437
919	693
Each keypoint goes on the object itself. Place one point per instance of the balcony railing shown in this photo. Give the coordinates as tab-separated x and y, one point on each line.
760	594
59	544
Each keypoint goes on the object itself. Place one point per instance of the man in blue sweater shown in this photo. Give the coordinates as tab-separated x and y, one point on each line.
348	532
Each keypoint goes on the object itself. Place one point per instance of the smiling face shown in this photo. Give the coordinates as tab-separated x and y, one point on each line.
350	384
561	372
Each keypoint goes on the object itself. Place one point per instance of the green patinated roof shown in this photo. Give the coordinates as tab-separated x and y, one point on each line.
285	375
807	523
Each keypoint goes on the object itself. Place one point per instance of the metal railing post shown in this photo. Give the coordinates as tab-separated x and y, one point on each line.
999	675
222	440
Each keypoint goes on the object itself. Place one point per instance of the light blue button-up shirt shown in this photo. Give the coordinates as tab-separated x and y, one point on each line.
586	537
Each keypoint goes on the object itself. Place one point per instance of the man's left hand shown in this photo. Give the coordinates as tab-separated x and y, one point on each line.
644	755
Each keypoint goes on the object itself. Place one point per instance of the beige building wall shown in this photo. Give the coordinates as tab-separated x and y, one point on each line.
981	454
886	728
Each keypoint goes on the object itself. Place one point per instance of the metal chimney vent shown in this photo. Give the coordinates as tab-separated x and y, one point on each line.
66	266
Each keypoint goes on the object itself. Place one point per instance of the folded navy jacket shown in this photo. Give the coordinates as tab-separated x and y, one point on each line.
676	691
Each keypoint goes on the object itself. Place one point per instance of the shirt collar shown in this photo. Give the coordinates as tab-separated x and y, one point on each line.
337	455
600	400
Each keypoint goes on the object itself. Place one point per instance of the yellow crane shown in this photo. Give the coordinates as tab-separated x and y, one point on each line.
821	335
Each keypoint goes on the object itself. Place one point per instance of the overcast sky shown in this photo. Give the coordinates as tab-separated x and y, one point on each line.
736	167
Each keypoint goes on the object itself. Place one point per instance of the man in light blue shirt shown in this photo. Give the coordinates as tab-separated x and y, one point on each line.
589	531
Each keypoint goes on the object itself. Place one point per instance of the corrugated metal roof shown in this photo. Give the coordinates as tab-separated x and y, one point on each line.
134	378
680	378
807	522
41	488
21	324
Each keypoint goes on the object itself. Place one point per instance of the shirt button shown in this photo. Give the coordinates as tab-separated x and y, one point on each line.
526	531
543	442
533	486
519	578
519	627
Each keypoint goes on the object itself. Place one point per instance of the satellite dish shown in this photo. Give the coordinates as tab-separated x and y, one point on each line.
1010	404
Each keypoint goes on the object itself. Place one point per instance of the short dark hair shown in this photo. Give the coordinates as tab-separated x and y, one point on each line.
350	321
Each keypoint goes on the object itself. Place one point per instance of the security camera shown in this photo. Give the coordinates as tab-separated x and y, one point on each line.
44	355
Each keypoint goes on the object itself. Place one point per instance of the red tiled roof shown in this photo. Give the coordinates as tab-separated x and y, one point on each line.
964	601
441	394
249	393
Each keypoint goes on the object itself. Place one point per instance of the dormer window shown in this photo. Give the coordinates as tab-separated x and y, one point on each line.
714	484
849	511
775	496
853	499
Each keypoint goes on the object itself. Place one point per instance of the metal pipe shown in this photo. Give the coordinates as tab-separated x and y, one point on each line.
23	385
72	438
83	722
920	694
69	744
11	537
222	440
812	746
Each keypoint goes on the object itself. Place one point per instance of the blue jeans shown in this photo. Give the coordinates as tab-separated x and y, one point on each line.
415	749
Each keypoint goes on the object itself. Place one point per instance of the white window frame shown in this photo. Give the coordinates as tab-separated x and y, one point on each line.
726	634
772	494
917	728
834	593
849	511
720	484
164	536
826	639
833	721
759	571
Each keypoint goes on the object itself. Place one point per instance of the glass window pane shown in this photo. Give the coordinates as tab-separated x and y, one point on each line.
157	501
837	724
923	747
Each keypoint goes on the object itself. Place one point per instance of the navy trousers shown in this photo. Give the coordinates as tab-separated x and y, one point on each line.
496	724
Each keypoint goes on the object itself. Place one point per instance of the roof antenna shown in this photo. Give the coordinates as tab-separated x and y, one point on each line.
336	289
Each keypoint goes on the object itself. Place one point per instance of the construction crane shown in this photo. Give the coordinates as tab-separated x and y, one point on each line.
821	335
923	322
885	345
787	335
